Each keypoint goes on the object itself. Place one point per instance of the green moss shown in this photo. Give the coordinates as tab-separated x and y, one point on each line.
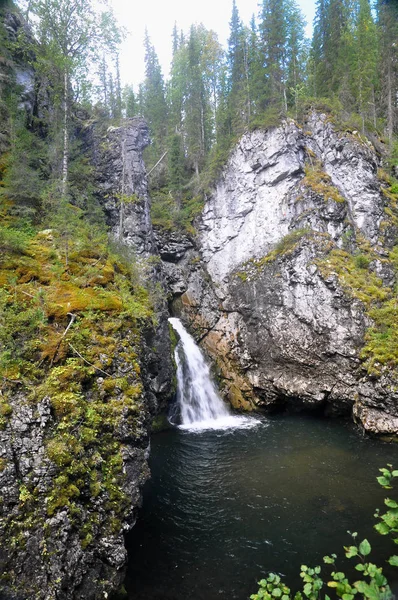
39	292
286	245
381	339
318	181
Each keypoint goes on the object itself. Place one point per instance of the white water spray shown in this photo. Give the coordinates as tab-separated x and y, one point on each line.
199	404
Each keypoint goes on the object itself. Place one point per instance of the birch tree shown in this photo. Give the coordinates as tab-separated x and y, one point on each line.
67	33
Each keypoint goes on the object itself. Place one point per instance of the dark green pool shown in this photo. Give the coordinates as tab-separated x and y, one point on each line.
223	508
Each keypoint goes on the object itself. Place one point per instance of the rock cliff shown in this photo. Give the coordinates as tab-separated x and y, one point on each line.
76	410
294	264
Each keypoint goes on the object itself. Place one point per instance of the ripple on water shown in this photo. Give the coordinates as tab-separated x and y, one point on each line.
227	505
223	424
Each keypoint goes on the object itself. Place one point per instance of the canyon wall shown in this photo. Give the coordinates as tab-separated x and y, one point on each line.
294	261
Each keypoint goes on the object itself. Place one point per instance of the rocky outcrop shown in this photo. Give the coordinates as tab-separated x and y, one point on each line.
259	198
74	446
122	183
265	292
62	553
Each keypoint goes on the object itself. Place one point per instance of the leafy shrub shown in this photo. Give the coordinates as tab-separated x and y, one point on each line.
373	585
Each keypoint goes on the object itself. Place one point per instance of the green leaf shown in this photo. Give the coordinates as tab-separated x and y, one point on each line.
329	560
276	593
391	503
394	473
391	519
382	528
365	548
386	472
351	551
393	560
307	589
347	596
360	567
384	482
367	590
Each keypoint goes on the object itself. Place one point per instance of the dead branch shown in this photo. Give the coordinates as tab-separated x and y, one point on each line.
87	362
158	163
72	320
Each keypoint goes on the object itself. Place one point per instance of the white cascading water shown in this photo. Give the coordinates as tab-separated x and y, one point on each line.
199	404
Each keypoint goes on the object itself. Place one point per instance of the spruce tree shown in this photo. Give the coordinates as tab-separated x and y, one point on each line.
273	29
365	63
388	62
237	60
153	102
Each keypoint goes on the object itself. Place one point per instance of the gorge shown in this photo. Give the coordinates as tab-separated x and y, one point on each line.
285	315
282	278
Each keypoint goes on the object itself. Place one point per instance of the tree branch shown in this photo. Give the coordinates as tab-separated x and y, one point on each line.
87	362
72	320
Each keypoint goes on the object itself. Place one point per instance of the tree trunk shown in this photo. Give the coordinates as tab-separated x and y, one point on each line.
65	159
390	116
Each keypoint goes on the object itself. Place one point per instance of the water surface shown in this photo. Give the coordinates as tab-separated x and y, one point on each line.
225	507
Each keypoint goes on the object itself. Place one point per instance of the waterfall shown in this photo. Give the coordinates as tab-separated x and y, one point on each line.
198	402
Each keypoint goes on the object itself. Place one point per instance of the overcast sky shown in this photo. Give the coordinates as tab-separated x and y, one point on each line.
159	17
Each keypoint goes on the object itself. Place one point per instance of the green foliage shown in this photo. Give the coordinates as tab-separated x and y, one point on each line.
362	261
169	214
373	584
13	240
357	278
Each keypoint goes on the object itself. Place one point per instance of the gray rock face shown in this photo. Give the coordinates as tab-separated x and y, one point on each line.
78	554
279	327
44	552
122	183
258	199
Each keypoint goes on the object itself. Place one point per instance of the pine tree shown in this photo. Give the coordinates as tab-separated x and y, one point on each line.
256	71
295	53
177	85
197	122
320	37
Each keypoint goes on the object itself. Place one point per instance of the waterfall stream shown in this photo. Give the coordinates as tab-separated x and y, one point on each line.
198	403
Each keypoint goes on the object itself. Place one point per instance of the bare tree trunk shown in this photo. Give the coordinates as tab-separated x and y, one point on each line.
202	129
104	82
246	63
65	159
390	117
374	107
284	100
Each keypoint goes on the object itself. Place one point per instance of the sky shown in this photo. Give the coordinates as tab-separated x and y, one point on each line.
159	17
